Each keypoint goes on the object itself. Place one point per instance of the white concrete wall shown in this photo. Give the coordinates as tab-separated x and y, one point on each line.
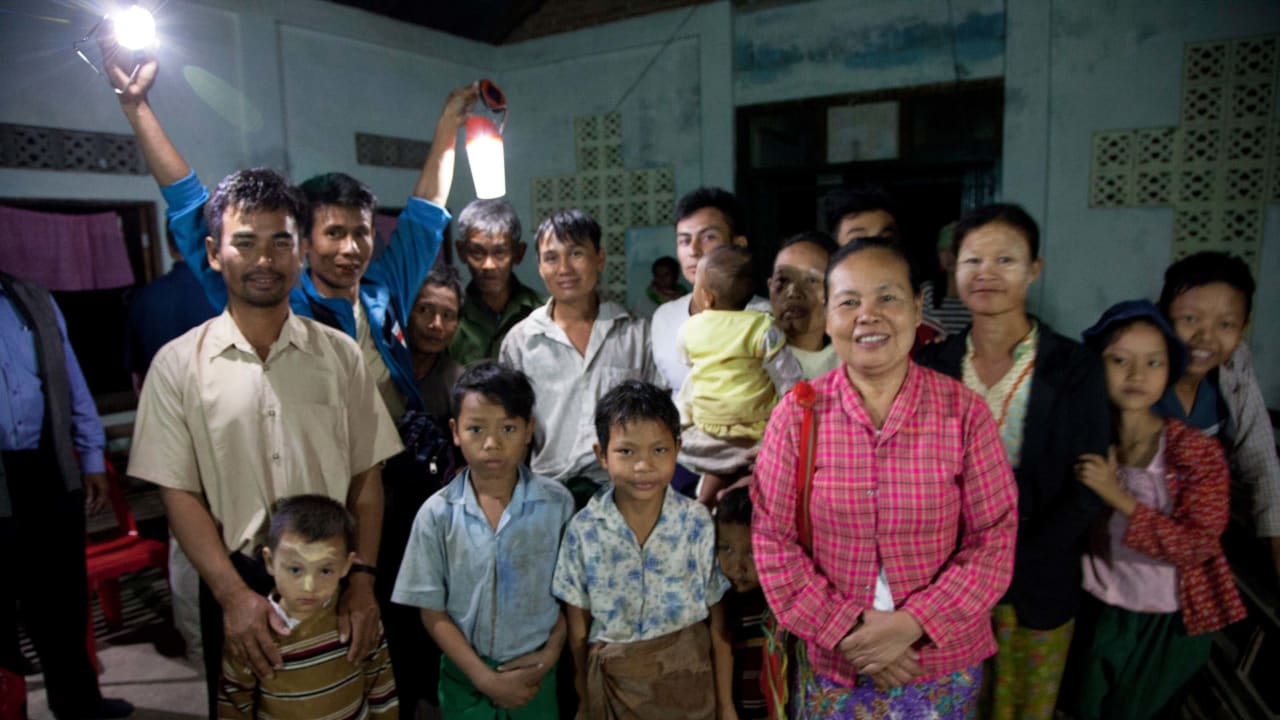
1074	68
669	76
46	84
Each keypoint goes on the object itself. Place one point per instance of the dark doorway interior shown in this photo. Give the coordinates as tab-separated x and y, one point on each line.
947	161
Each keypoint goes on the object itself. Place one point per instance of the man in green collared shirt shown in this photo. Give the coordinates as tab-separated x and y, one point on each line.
488	239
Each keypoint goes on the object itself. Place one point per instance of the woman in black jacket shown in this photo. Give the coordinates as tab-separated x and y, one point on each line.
1049	398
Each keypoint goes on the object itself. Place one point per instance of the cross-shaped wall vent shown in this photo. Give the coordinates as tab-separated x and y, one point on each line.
1219	166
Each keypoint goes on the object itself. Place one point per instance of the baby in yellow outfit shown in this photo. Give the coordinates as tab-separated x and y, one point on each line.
739	369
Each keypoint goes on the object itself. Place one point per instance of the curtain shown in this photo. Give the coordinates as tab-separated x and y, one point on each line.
64	252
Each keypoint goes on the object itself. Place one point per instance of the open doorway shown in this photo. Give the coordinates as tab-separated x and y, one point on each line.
936	149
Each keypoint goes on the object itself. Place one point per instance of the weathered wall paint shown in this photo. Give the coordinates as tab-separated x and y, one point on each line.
661	119
335	87
46	84
830	47
1083	66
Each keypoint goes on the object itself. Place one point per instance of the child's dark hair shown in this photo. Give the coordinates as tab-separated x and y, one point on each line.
842	202
633	401
1012	215
497	383
314	517
572	227
668	262
337	189
817	238
864	244
251	191
726	272
1204	268
734	507
715	198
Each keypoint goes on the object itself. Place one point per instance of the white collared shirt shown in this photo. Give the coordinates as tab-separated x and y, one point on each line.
568	383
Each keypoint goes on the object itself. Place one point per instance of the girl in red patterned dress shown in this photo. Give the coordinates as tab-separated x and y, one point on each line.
1155	571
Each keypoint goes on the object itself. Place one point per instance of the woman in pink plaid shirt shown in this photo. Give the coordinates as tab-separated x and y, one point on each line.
913	508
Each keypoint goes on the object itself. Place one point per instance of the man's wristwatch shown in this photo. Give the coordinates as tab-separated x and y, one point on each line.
362	568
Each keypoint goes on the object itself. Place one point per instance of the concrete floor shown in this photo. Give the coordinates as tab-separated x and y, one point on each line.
160	688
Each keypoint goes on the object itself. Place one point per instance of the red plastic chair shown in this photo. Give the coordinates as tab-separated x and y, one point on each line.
13	695
106	561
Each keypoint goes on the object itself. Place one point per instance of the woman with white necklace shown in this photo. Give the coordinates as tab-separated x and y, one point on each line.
1049	398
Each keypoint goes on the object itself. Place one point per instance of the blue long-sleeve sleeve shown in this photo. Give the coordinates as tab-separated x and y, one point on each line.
185	200
22	407
410	254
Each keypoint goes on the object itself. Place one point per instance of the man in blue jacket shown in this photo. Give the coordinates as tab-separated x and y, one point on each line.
370	301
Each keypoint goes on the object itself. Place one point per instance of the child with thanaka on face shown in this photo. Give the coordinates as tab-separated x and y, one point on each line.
480	560
310	548
739	367
637	573
745	607
1155	575
1208	298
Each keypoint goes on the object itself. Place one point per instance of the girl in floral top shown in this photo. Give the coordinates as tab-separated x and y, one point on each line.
1156	569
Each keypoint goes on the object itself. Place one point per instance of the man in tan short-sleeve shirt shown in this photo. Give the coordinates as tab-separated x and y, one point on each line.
255	405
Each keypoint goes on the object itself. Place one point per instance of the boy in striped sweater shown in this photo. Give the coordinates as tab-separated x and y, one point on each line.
309	550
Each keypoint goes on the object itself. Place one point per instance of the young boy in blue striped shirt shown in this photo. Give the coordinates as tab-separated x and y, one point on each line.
481	557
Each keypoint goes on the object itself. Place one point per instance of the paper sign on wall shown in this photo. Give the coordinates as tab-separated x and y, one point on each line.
862	132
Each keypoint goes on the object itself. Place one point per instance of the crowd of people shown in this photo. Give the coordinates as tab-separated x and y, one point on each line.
862	496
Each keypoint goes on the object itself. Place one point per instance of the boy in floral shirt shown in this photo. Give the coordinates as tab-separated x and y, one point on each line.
637	572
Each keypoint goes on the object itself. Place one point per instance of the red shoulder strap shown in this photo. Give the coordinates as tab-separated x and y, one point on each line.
805	398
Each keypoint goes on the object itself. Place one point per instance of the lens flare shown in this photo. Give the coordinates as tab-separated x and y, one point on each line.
135	28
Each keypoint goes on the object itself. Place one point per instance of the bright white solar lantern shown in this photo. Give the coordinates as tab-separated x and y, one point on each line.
485	156
484	144
135	28
132	29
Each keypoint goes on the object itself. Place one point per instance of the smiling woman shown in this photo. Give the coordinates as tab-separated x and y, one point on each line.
897	627
1049	400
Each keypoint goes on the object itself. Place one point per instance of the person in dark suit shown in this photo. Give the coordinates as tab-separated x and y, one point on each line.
50	436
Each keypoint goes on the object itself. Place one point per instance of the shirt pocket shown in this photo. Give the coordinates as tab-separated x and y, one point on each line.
611	375
526	565
921	494
319	441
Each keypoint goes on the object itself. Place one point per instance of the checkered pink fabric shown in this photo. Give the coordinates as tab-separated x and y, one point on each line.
930	497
